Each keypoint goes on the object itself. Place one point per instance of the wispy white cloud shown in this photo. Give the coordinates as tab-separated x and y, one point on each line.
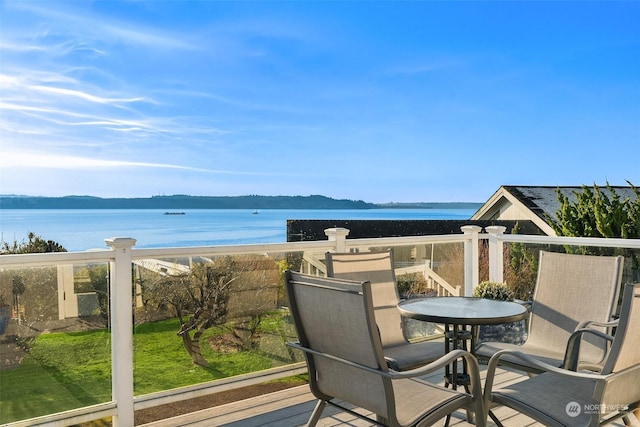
28	159
94	27
37	88
64	110
13	46
424	66
84	96
13	159
55	115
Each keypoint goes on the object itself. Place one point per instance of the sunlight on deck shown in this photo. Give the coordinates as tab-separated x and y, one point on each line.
292	408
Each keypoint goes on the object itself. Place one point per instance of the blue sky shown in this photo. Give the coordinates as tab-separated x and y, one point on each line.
385	101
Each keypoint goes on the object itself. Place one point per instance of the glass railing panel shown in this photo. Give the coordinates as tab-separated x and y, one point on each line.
55	343
520	270
521	263
209	317
424	270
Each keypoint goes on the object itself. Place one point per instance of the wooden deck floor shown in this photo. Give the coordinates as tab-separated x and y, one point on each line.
292	408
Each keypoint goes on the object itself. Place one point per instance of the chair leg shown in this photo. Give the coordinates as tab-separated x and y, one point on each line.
495	419
315	415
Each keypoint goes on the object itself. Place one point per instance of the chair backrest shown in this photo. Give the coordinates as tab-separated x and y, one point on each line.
335	317
571	289
376	268
625	350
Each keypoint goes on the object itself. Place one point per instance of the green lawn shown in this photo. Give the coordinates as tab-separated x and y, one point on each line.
161	362
61	371
68	370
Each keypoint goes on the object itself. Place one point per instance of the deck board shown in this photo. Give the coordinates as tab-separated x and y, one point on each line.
292	408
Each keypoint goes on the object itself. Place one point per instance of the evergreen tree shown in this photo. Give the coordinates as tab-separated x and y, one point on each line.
22	280
35	245
596	213
522	268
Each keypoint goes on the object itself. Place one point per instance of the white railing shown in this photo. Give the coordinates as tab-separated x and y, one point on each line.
497	239
470	240
121	254
440	285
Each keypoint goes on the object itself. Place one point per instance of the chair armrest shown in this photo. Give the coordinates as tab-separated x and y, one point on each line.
300	347
590	323
441	362
572	353
472	369
412	373
472	365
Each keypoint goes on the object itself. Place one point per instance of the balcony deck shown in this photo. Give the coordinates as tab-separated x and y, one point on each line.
285	408
292	407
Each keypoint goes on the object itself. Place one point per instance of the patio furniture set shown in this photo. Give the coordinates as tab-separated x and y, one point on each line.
583	366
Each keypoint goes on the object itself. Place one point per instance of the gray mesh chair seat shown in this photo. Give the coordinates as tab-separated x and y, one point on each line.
377	268
541	353
410	355
565	397
571	291
343	352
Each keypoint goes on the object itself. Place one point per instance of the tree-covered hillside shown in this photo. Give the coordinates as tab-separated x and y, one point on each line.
182	202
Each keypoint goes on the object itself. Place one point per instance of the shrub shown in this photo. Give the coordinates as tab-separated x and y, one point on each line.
493	290
412	284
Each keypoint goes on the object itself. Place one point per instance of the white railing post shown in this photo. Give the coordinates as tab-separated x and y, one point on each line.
121	293
496	253
339	236
471	261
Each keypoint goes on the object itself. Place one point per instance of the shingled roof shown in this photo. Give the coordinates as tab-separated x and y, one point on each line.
535	203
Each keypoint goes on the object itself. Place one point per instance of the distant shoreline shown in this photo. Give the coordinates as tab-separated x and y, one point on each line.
430	205
214	202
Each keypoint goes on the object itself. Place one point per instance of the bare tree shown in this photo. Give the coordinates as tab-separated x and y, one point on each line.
234	291
199	300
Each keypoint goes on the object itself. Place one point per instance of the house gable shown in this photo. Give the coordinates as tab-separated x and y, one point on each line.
534	203
507	204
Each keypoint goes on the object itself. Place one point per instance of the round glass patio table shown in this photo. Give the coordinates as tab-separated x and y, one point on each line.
462	310
458	313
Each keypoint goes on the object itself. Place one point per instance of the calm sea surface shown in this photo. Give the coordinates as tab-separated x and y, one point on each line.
79	229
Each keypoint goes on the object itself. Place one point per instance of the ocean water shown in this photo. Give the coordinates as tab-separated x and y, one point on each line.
80	229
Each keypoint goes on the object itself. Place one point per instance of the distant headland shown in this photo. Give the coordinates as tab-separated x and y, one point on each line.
212	202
